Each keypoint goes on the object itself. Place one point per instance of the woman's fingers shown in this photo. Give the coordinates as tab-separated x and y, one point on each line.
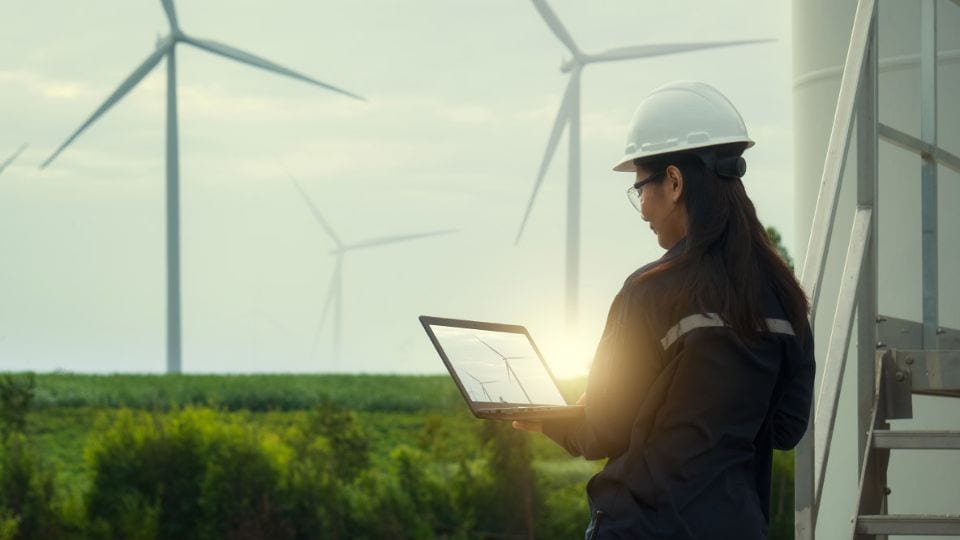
528	426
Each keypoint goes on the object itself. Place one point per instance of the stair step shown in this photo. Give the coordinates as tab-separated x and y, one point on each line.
925	440
913	524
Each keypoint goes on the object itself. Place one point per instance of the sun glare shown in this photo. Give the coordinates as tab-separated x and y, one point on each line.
567	354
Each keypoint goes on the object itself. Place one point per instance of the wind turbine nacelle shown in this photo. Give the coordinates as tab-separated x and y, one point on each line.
576	62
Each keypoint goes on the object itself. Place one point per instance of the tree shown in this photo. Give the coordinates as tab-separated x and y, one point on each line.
774	235
16	396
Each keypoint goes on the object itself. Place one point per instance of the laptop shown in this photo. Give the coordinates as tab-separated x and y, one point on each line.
498	369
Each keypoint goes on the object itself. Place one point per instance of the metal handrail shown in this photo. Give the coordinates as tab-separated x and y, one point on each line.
839	344
810	466
811	276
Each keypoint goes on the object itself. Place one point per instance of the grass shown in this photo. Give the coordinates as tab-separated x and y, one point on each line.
372	393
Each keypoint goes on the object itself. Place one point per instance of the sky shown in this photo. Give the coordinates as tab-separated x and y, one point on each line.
461	96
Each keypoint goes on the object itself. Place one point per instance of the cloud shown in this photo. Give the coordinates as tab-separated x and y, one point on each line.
38	85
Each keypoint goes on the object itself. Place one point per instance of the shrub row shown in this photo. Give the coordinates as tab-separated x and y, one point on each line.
201	473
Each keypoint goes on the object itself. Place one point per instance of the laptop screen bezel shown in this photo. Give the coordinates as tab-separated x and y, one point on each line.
428	321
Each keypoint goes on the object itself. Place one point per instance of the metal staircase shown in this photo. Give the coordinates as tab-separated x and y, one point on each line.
902	373
896	359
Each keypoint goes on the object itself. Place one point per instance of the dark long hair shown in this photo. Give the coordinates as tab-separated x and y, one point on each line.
728	259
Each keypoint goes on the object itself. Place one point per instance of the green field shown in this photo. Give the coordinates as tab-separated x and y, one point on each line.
430	463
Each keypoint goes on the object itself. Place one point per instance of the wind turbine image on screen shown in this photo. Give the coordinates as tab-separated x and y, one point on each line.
569	116
335	291
510	373
166	48
483	385
12	158
497	366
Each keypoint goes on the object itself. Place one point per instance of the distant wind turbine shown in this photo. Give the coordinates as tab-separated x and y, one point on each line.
483	385
335	291
569	115
11	159
510	371
166	47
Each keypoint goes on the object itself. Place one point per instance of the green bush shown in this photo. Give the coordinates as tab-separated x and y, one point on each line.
27	496
204	474
781	496
143	461
16	396
9	524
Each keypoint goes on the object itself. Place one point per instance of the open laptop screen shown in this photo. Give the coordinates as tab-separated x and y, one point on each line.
496	366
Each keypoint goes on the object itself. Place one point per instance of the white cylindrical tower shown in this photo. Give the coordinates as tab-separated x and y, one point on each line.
921	482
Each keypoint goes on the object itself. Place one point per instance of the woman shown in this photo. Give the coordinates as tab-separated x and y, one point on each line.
706	361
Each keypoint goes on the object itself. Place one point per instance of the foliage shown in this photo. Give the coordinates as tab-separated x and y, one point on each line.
248	392
510	508
349	445
777	240
393	393
781	497
27	493
327	471
16	396
9	524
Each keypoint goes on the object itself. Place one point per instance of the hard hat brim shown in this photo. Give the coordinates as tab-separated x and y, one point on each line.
626	162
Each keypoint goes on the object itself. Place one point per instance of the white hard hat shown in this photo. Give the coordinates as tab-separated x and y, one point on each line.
681	116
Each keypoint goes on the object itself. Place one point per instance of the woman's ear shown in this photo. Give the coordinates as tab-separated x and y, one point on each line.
674	183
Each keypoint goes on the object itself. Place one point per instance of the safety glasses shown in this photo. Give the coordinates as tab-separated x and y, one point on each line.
633	193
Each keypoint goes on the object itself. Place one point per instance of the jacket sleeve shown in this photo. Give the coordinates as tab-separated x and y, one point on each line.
793	411
718	395
623	366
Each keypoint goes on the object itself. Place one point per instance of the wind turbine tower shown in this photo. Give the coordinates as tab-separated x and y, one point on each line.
335	290
569	117
166	48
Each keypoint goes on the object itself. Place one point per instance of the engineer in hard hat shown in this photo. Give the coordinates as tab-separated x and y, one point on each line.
706	362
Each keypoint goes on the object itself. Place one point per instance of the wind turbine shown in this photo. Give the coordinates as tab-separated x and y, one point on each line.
510	371
569	116
482	385
12	158
166	47
335	291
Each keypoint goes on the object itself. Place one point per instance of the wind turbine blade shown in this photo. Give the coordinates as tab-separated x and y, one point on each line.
563	116
127	85
489	347
171	14
262	63
316	213
331	290
393	240
645	51
13	157
556	26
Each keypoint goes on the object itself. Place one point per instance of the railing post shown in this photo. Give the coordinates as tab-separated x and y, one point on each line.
867	173
928	172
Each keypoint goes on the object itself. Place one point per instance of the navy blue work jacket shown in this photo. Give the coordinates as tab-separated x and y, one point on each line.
688	416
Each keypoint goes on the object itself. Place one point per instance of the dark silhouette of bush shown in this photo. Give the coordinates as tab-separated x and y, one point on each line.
27	494
16	397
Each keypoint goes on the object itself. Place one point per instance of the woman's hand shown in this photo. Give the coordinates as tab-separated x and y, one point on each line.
537	427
